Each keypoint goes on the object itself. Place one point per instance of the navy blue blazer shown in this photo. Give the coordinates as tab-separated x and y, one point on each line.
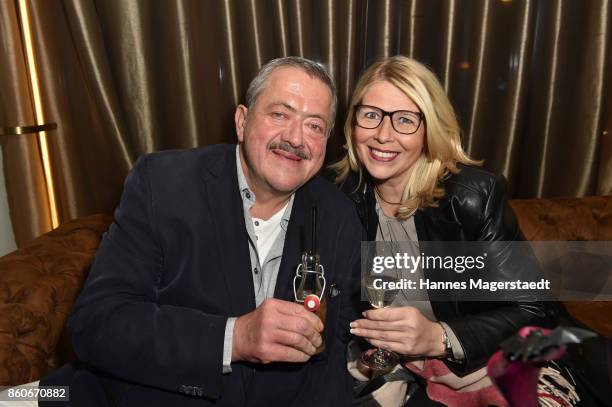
148	327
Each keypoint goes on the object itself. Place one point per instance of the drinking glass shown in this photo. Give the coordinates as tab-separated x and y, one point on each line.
380	295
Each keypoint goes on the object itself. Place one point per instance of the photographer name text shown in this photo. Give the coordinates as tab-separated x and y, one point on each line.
471	284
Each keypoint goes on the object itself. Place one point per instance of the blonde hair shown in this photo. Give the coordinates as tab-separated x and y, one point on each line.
442	148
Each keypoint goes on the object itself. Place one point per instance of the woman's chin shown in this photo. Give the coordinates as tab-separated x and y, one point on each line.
379	175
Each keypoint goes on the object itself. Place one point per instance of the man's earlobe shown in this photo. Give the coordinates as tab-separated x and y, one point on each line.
240	116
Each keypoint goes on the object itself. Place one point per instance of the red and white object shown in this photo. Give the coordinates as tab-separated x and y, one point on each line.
312	302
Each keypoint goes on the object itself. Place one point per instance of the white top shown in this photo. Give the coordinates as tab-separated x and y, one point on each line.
266	232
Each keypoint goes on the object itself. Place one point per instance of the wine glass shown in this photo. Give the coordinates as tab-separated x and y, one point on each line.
380	290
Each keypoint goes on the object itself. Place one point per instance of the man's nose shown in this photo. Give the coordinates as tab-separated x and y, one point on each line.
294	134
385	132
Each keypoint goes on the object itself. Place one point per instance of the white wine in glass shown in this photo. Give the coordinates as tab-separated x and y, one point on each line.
380	290
379	295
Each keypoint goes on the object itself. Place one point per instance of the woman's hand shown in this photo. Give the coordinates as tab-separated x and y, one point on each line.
403	330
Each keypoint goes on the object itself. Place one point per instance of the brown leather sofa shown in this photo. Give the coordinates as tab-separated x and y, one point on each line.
40	282
38	285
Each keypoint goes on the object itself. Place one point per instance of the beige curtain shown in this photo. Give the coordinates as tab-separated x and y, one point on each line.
123	78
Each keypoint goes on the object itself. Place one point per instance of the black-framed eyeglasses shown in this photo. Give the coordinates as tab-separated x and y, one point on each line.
403	121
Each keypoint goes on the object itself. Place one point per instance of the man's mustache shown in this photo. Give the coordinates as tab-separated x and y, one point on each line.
283	145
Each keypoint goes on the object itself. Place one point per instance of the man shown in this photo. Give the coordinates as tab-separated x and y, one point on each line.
190	297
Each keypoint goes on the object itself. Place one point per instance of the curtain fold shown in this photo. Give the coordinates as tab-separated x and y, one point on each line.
565	106
87	161
528	79
85	31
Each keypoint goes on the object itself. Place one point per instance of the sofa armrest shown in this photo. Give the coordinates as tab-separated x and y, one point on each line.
38	286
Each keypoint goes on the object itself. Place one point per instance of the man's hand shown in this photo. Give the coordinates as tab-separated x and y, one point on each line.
403	330
277	331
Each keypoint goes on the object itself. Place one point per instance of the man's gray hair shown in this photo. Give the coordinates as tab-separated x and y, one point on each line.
313	69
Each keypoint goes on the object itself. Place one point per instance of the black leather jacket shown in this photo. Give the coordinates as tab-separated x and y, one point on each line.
475	208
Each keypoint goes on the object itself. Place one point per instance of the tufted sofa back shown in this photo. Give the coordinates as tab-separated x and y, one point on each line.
587	218
40	282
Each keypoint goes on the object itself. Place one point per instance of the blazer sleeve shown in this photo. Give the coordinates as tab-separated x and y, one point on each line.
483	325
118	326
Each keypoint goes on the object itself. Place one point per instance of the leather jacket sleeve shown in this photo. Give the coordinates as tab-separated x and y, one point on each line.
485	216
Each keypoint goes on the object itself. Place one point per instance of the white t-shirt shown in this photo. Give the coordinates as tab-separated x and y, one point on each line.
266	232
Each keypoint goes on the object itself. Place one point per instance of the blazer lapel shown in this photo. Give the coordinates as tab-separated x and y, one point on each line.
296	242
225	205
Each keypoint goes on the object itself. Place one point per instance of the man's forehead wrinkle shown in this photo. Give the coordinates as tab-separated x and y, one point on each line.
289	106
282	103
295	87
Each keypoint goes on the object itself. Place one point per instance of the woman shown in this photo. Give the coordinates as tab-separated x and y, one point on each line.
411	180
